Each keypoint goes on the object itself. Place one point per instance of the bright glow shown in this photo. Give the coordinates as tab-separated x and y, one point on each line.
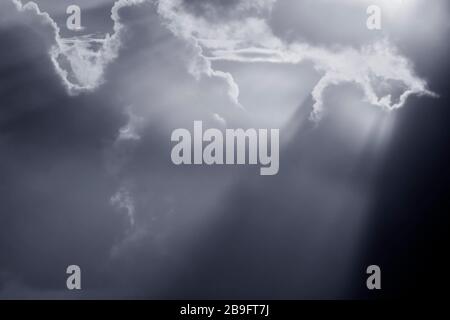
393	6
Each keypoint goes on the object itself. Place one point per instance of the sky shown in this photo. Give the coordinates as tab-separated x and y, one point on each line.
86	176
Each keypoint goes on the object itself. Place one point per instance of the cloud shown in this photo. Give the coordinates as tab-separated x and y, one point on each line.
90	172
236	31
204	34
126	139
250	39
81	61
130	131
123	200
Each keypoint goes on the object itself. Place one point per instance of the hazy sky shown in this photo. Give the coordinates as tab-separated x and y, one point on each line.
85	124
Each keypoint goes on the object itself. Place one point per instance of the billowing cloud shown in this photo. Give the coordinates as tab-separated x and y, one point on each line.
237	31
81	61
250	39
87	179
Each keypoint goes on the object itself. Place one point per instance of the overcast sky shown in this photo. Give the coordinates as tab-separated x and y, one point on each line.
85	124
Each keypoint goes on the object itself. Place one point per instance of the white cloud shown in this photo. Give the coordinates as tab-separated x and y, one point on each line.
204	36
81	61
251	40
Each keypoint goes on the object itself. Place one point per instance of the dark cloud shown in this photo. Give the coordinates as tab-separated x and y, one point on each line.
55	189
198	232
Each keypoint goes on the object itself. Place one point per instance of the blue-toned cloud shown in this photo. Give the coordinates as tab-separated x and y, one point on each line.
81	61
